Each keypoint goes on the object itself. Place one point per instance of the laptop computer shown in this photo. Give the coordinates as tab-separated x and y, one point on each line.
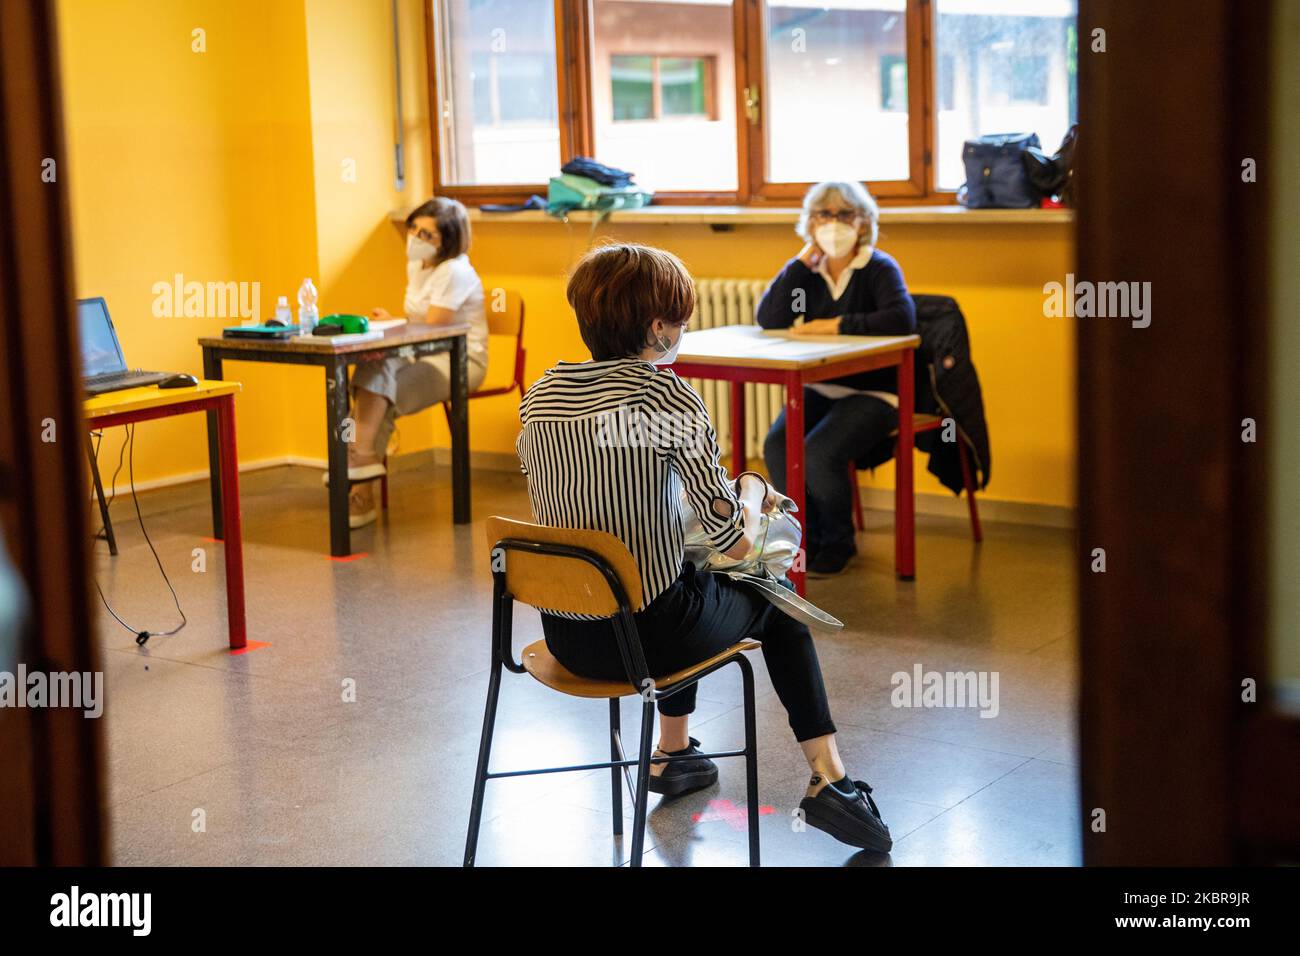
103	366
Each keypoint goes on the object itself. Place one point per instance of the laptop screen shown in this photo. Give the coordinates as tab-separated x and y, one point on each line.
100	351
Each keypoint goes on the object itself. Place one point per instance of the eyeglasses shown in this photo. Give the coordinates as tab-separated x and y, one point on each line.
846	216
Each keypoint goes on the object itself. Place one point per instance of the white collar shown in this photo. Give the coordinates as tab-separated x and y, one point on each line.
837	288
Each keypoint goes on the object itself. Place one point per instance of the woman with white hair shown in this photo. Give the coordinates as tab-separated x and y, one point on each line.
839	284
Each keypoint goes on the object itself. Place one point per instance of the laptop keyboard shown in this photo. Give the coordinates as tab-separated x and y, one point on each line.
117	381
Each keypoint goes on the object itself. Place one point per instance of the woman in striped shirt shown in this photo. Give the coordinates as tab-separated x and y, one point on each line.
612	444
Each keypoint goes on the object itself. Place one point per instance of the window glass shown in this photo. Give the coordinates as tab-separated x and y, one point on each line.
1003	66
498	120
836	90
632	87
663	81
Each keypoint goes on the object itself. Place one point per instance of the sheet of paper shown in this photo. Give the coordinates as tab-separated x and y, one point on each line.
348	339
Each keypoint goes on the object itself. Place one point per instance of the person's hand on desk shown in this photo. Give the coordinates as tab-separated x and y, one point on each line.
817	327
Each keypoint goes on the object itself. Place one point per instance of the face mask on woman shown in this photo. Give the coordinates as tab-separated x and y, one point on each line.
669	350
418	250
836	239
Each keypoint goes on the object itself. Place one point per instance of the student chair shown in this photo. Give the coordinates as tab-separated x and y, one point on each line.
927	423
592	572
509	320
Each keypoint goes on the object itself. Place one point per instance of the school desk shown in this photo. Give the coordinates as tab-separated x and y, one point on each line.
748	353
218	400
413	339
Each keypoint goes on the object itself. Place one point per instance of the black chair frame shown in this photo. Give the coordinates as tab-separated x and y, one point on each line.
642	684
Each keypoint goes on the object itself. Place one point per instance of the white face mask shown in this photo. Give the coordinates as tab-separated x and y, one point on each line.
836	239
669	351
418	250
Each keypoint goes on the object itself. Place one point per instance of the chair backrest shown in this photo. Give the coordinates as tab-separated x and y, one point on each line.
558	582
509	320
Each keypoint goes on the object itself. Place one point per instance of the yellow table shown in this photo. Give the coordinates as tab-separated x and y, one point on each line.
217	399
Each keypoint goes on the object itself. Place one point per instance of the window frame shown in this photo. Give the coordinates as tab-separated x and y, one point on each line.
573	68
436	43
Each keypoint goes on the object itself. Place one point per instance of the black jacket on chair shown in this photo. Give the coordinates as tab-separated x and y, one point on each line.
947	385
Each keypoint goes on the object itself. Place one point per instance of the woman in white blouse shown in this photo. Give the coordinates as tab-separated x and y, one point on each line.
441	288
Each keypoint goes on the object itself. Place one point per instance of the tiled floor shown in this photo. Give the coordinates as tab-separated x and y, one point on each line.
265	758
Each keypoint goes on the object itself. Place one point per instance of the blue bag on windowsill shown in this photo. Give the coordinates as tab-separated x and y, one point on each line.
995	172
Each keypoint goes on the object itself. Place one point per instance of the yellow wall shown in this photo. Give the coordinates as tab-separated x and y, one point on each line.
228	165
193	163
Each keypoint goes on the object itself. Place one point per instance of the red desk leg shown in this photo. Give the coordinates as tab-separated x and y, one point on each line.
904	517
738	461
794	450
234	531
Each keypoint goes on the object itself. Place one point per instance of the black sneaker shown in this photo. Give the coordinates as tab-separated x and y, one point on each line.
831	560
683	776
853	820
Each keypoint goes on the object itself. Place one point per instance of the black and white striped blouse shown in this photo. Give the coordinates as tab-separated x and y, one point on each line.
610	446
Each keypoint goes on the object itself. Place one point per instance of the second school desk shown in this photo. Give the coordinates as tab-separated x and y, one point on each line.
747	353
413	339
218	400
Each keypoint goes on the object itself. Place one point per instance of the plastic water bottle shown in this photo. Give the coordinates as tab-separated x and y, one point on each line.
308	316
283	313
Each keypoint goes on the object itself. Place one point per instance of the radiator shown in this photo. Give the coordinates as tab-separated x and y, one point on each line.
732	302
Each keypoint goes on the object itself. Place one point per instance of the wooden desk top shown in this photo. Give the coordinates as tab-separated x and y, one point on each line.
151	396
409	334
749	346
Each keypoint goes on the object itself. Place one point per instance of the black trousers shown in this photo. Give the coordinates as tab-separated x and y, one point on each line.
700	614
836	431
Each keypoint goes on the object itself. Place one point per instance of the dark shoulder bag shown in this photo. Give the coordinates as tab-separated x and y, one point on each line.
995	172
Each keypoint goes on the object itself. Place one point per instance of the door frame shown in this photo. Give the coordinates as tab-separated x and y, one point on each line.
1184	771
51	797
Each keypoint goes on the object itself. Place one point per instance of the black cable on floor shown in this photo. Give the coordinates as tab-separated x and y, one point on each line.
142	636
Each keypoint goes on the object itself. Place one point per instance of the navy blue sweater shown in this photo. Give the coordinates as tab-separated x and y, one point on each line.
875	302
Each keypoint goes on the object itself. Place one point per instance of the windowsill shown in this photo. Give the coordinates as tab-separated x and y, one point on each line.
777	215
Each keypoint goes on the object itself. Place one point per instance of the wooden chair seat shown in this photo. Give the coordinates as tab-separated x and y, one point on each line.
538	661
922	423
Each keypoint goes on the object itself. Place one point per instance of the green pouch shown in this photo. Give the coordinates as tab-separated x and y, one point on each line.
351	324
567	192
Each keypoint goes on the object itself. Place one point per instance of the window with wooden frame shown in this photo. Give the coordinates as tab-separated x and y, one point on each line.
740	101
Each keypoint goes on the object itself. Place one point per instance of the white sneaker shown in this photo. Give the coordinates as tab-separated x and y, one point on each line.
360	473
361	511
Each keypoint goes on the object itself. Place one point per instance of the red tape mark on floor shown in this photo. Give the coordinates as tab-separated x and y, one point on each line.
250	646
350	557
735	817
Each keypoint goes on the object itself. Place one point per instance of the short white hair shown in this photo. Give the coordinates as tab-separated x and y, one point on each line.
851	194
